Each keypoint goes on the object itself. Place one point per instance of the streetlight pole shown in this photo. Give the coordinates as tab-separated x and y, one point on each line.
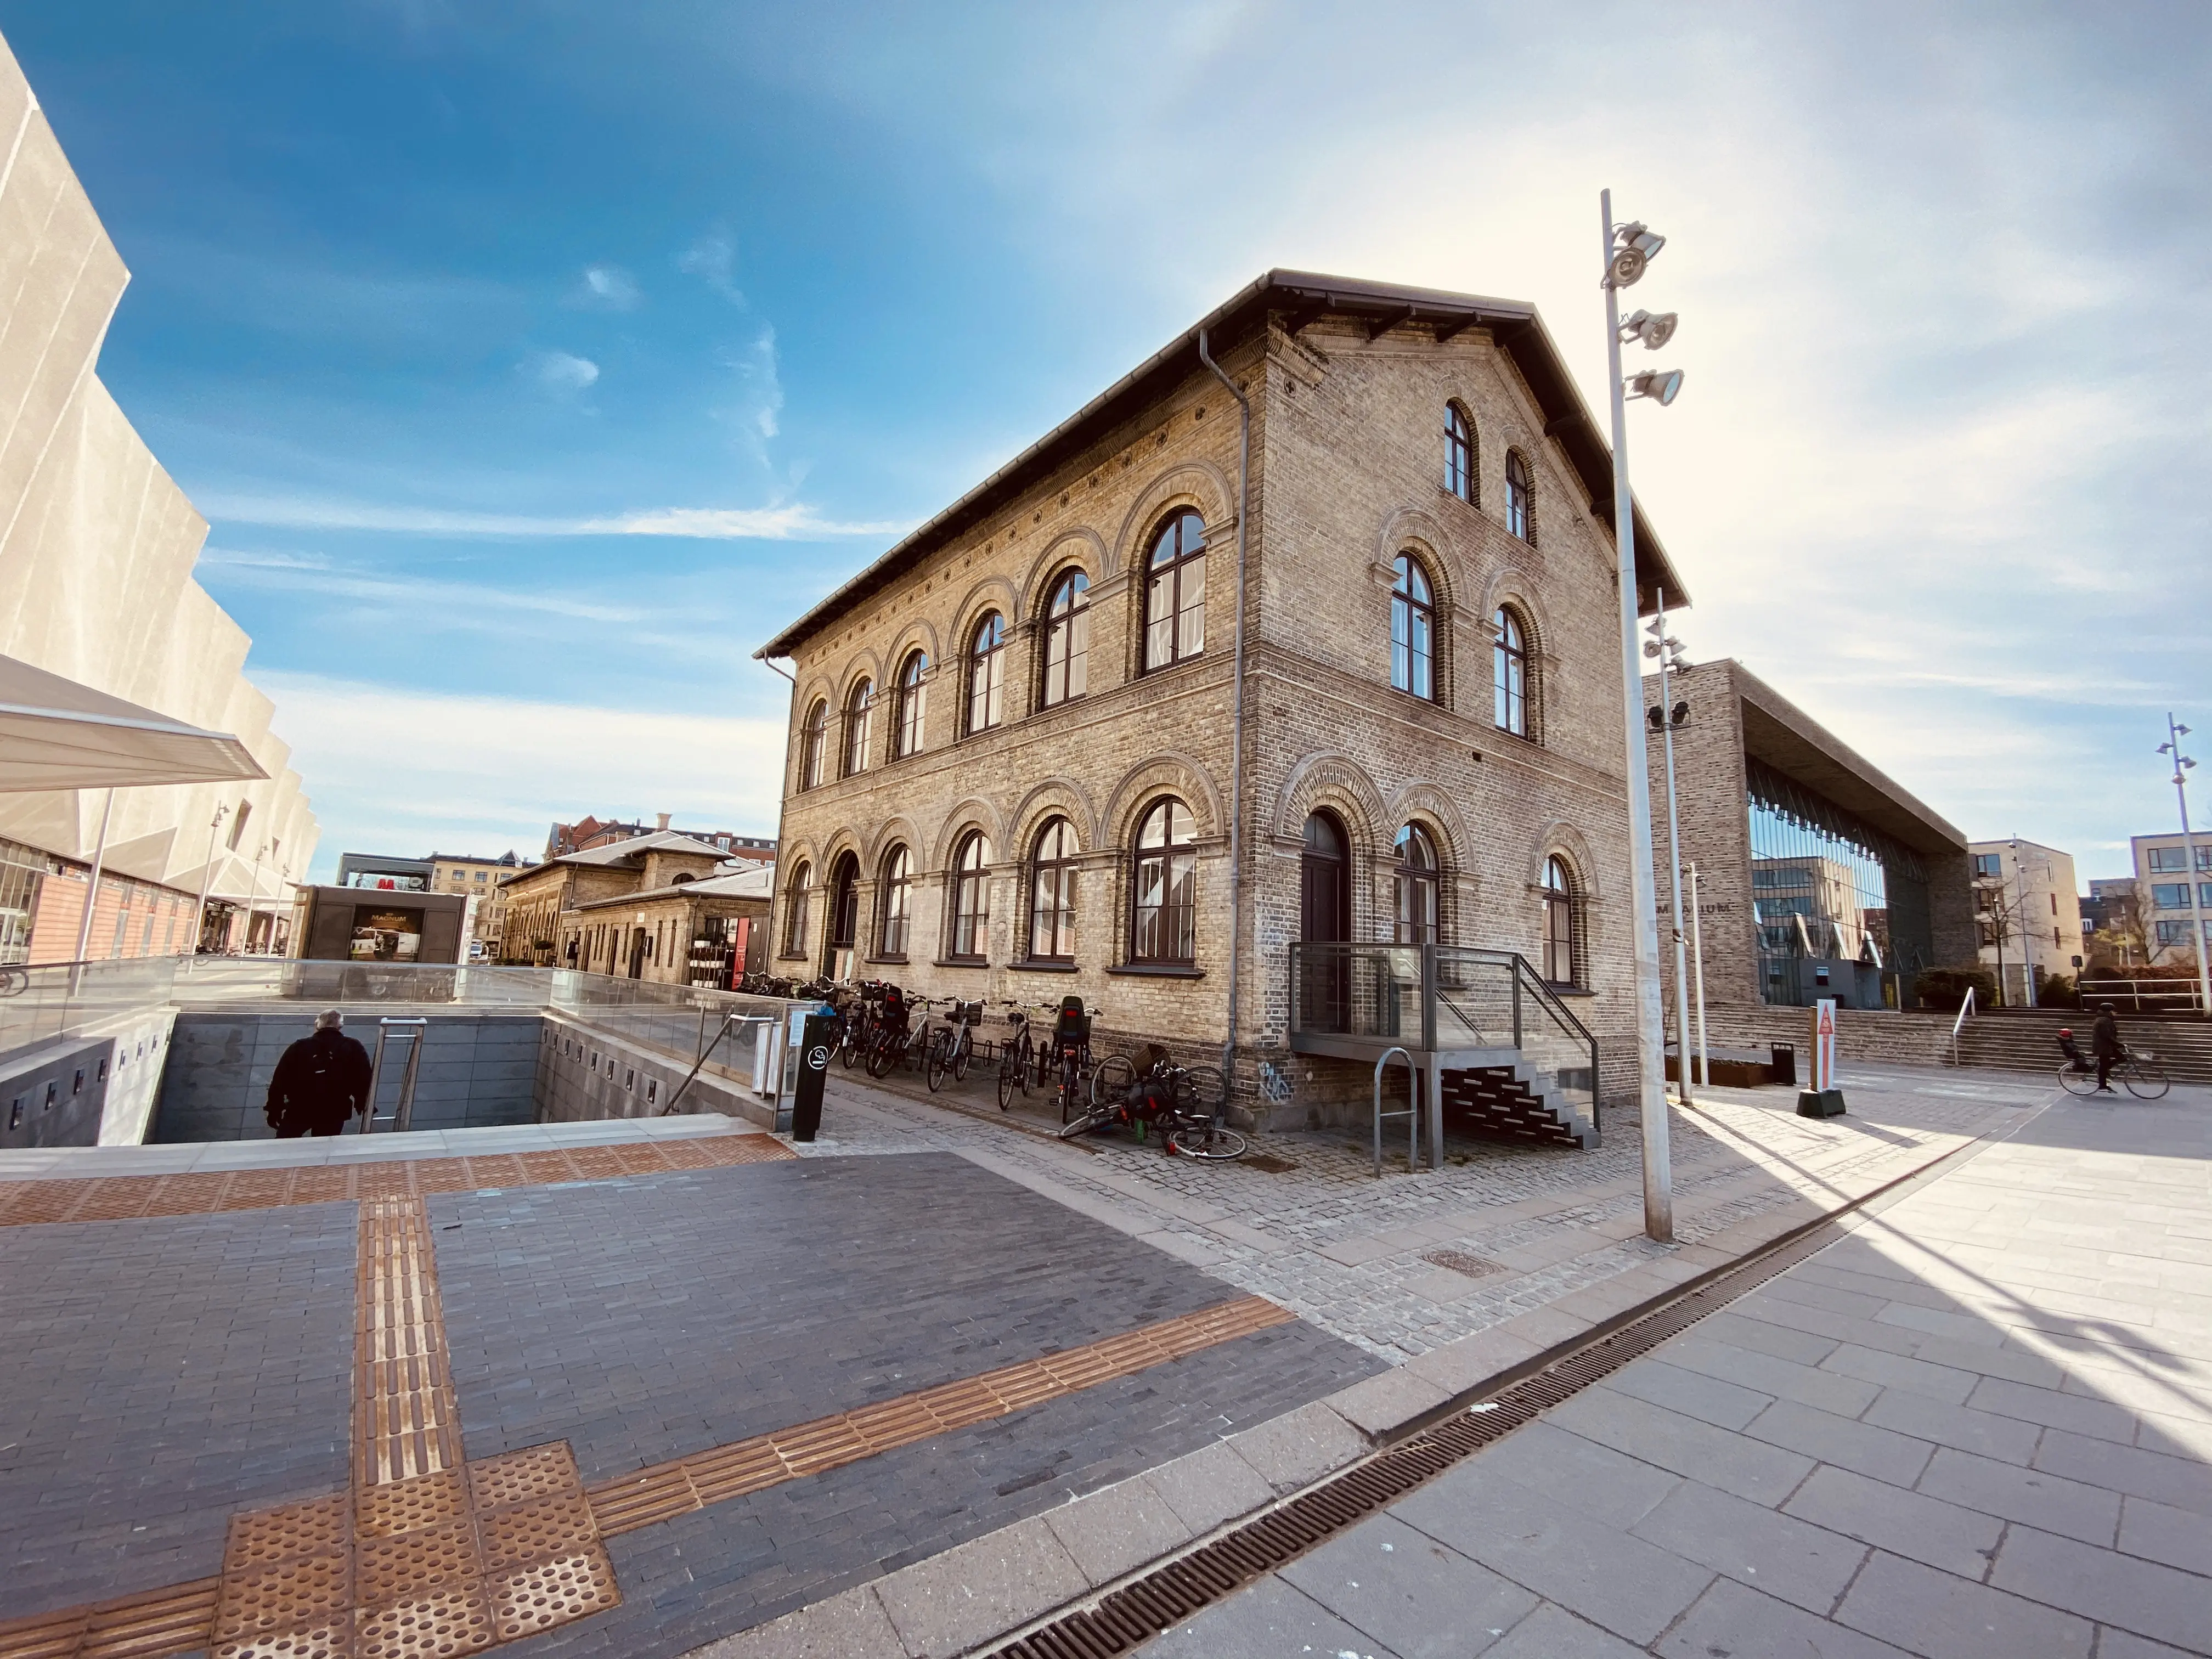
1665	648
207	880
2019	910
1623	257
2182	763
91	892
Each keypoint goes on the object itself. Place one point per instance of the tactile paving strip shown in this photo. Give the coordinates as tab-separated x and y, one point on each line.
404	1406
665	1490
130	1197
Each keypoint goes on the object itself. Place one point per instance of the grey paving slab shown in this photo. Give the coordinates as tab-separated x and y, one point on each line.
1897	1371
2146	1597
1912	1524
2126	1645
154	1376
1299	1447
1606	1484
1947	1617
1552	1632
1708	1399
1731	1620
2180	1538
1629	1587
1763	1474
1113	1531
2184	1482
1268	1621
1883	1453
1782	1379
2006	1439
1783	1556
2036	1497
1399	1586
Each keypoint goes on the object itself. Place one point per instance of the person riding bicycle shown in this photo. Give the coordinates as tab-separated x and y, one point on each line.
2105	1043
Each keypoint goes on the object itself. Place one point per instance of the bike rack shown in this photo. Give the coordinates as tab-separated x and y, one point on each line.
402	1110
1413	1110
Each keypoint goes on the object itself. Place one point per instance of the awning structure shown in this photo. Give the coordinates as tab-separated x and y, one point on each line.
57	734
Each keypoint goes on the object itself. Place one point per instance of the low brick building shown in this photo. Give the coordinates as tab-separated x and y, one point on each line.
1820	876
639	907
1013	760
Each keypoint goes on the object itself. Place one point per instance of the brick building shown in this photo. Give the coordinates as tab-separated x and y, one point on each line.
1013	756
589	832
640	908
1820	877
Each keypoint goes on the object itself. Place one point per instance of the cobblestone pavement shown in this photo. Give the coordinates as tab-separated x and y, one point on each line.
1978	1427
1357	1256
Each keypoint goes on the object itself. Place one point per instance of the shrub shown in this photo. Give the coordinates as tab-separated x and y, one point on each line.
1946	988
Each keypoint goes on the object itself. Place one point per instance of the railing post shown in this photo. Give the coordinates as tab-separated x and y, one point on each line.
1428	998
1513	972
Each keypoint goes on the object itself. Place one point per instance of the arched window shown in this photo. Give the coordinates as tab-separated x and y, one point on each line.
1562	925
860	726
1508	662
844	926
1052	893
971	898
987	673
913	703
1414	887
1520	498
1459	454
1164	886
1174	592
891	904
794	910
813	744
1412	629
1067	639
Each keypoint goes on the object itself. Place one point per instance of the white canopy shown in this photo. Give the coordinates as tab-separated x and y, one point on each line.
57	734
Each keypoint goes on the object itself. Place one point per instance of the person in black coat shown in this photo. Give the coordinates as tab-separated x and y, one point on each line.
2105	1043
321	1081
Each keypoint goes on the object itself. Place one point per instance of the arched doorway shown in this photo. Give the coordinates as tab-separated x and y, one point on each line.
1325	919
844	921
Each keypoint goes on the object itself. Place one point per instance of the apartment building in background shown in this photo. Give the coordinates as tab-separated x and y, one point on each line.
2162	879
2028	908
590	832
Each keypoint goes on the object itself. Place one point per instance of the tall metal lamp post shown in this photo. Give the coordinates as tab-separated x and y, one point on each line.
2181	766
1668	715
1628	248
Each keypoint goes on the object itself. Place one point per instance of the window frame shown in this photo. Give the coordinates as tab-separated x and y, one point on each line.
1563	906
985	704
1417	611
1519	497
1062	869
912	712
1461	454
1167	853
859	721
970	922
1510	679
1071	622
894	902
1173	570
1409	877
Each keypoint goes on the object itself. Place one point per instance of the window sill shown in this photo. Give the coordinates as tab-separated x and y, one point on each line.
1569	990
1042	965
898	961
1158	970
961	962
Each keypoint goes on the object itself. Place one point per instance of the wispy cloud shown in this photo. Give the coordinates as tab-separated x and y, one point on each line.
610	288
713	260
420	595
562	373
793	521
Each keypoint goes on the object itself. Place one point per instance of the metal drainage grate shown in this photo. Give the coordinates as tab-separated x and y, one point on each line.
1474	1267
1142	1608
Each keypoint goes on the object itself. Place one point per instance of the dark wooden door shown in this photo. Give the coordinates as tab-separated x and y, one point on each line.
1325	918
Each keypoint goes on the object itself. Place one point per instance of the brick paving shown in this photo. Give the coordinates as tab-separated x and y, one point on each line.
1978	1427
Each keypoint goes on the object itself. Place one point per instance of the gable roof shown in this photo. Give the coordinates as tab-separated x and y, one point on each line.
1307	296
757	883
625	855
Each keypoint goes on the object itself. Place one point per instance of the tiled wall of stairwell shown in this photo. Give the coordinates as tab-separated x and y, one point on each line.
584	1075
476	1069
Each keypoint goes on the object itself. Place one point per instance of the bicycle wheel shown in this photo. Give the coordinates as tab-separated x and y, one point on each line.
1013	1070
938	1061
1094	1117
2076	1081
2145	1081
1207	1141
883	1055
1111	1082
853	1049
963	1050
1203	1092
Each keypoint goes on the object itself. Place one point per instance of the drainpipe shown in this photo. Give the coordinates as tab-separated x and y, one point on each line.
1237	714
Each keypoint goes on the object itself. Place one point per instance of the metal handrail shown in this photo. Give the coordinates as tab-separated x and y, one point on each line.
720	1031
1965	1007
1412	1110
403	1110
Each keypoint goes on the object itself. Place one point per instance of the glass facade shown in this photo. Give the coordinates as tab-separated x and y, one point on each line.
1839	909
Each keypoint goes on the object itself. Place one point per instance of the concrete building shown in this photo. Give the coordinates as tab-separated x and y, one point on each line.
2162	877
2029	911
97	545
590	832
2112	925
643	907
1014	752
1820	876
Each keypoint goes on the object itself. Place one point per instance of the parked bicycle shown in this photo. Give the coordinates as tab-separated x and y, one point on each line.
1150	1094
891	1034
952	1045
1066	1055
1017	1055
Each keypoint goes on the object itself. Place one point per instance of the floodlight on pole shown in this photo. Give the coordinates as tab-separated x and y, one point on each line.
1626	251
1654	331
1660	385
2182	764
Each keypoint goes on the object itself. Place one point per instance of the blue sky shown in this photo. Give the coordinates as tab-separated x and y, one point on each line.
533	361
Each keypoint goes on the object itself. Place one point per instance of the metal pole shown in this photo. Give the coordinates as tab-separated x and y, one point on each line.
207	881
253	897
1698	954
1642	898
2189	858
1674	856
92	891
2019	903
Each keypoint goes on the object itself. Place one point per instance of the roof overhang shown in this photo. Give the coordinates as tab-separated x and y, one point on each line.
57	734
1783	735
1302	298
